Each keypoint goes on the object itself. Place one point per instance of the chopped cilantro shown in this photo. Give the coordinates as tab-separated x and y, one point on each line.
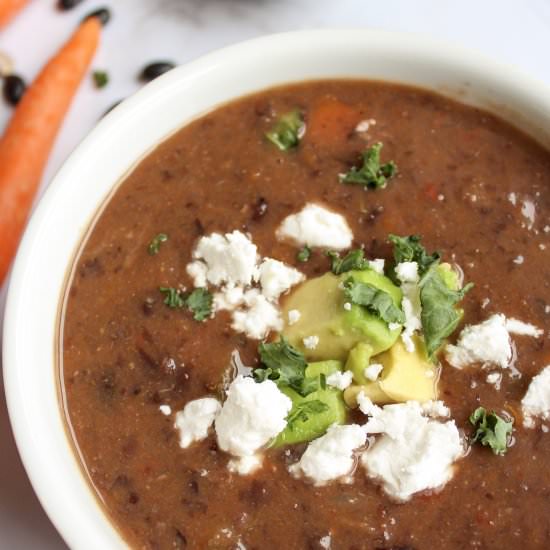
375	300
287	131
301	411
353	260
172	297
101	78
491	430
409	249
304	254
439	315
199	302
286	366
371	173
154	245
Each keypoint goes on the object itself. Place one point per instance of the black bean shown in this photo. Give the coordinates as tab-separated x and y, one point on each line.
154	70
14	88
103	14
67	4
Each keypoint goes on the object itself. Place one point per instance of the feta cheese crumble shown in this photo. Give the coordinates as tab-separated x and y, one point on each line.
227	259
245	465
372	372
340	380
311	342
251	416
259	317
166	410
276	277
331	456
488	342
293	316
194	421
536	402
377	265
407	273
316	226
411	452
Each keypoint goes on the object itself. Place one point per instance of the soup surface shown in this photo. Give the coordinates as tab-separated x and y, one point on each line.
473	187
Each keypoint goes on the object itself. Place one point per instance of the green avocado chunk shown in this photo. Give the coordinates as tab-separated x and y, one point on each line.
316	423
320	302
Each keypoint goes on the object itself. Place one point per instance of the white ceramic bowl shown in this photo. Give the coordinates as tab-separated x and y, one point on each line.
125	136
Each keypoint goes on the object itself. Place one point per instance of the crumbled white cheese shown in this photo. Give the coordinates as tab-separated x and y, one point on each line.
372	372
252	415
230	259
259	317
316	226
546	229
347	306
435	409
519	259
364	125
311	342
528	211
197	271
487	343
536	402
194	421
166	410
245	465
512	198
326	542
515	326
331	456
293	316
229	299
407	273
412	453
377	265
276	277
494	378
340	380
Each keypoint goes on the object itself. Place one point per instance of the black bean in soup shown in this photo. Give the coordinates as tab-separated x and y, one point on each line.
155	69
14	88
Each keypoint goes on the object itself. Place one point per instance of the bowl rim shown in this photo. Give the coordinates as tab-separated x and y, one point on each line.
76	524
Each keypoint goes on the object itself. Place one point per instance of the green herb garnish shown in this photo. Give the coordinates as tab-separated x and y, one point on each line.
286	366
304	254
409	249
199	302
439	315
288	130
375	300
173	297
101	78
154	245
352	261
301	412
491	430
371	173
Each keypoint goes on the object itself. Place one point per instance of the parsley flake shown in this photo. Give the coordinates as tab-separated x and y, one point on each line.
288	131
409	249
352	261
376	301
199	302
304	254
101	78
371	174
173	297
154	245
301	412
491	430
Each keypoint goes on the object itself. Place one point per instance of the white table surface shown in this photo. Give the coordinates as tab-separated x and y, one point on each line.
515	31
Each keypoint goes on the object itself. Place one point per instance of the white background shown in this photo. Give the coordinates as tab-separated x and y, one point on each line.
514	31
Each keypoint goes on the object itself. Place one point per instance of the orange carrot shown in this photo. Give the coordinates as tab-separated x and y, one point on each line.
30	135
330	122
8	8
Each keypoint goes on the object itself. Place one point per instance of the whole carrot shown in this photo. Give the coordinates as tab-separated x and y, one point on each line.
8	8
29	137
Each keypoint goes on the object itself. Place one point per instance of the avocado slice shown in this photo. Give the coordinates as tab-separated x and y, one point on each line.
371	390
320	302
316	423
358	360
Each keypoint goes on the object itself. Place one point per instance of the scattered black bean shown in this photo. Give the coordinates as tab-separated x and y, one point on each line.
154	70
103	14
260	209
14	88
67	4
